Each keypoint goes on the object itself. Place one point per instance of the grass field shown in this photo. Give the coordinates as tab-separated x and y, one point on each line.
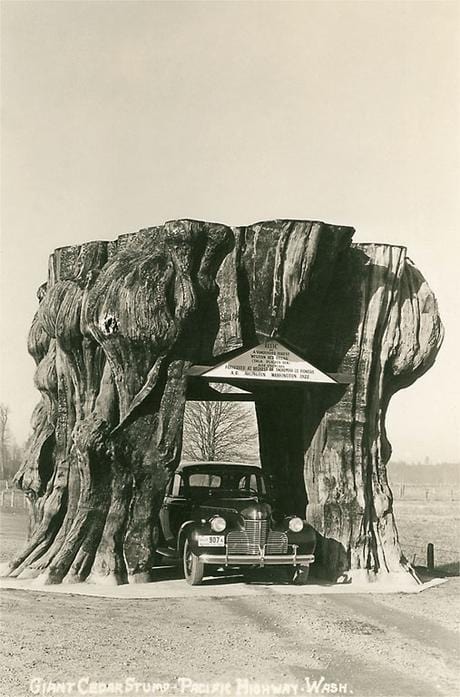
13	531
420	522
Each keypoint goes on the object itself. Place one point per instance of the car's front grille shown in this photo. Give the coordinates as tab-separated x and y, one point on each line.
257	531
239	543
277	543
255	535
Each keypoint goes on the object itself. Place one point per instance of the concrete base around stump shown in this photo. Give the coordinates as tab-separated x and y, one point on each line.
216	588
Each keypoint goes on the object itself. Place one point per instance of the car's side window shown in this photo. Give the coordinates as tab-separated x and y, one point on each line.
177	486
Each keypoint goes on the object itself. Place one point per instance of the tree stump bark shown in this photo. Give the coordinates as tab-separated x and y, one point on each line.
396	336
120	323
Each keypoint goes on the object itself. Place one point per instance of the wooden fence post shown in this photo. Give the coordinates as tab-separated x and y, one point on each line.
430	556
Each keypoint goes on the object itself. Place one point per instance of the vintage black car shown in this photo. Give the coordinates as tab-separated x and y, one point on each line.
219	514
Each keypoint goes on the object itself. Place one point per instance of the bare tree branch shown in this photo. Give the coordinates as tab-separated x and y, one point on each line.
220	431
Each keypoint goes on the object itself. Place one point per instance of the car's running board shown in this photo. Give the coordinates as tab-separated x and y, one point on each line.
167	552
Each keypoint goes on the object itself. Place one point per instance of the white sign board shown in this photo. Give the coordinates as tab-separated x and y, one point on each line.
269	361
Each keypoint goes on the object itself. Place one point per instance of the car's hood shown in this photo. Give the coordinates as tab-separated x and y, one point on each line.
249	508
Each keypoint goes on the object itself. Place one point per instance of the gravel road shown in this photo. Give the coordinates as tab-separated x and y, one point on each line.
369	646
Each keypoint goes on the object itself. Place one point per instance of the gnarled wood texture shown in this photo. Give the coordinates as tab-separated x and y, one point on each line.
397	338
118	326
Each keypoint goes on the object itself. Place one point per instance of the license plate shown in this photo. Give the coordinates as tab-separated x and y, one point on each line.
211	540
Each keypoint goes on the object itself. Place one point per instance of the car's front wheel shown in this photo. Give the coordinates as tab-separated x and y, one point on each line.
193	566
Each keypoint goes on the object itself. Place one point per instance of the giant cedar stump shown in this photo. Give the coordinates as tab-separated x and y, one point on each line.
118	326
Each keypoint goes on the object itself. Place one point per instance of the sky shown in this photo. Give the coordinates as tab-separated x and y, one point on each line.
121	115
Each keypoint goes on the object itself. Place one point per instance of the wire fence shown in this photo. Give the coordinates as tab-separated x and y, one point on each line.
432	556
425	492
13	498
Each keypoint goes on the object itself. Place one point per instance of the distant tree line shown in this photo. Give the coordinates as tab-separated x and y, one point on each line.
440	474
10	452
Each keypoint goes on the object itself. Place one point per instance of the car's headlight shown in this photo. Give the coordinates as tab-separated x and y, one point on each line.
296	524
218	524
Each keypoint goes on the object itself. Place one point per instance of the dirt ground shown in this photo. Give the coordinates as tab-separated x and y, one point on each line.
369	646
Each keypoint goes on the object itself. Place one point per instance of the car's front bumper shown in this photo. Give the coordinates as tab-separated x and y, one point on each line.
261	559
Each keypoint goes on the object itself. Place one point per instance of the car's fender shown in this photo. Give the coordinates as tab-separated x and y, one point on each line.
184	532
305	539
192	532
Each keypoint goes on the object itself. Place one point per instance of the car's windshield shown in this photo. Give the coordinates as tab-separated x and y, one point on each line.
223	481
